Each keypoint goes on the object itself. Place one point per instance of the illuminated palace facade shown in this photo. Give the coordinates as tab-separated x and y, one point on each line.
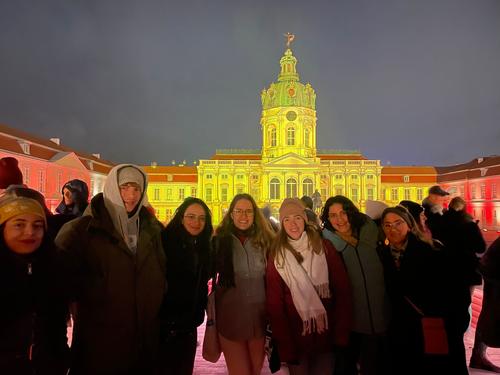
287	165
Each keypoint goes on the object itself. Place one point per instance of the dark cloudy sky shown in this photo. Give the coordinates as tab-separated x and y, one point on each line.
410	82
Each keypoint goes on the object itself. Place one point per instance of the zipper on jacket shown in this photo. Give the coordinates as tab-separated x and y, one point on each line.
30	269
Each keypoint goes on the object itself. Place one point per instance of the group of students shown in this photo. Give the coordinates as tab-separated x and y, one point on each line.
339	297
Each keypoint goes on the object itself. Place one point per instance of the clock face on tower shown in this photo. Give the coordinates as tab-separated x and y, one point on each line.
291	115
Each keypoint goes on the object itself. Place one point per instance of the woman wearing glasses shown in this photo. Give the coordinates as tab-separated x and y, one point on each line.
355	236
242	241
419	281
186	241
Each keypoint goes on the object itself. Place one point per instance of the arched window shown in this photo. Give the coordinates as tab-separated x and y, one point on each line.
291	188
272	137
307	187
290	136
274	189
307	141
208	193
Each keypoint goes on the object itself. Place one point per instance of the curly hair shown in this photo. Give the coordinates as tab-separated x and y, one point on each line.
356	218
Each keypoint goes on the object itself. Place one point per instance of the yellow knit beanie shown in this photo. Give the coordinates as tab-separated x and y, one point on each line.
14	206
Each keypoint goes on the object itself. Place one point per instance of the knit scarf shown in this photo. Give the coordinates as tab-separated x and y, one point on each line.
308	282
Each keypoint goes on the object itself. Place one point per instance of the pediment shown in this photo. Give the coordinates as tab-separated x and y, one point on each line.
292	159
68	159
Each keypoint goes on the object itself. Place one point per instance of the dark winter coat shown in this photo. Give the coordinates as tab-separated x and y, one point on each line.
286	323
184	304
489	319
425	279
371	310
32	318
118	293
464	240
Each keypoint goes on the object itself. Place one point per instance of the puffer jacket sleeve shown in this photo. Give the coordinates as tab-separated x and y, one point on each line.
277	310
342	295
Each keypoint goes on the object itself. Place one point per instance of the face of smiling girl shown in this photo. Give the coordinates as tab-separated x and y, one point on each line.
23	234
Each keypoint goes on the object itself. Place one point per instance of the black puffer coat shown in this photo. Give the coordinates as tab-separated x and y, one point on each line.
489	319
32	318
187	276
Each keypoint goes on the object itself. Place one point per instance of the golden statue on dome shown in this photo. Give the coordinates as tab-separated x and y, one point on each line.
289	39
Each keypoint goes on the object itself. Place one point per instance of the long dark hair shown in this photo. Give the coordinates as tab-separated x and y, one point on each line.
175	225
355	217
260	234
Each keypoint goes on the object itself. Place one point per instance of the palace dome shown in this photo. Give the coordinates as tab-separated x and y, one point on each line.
288	91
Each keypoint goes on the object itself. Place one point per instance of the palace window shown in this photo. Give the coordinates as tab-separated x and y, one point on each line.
354	194
291	188
208	193
493	190
223	193
169	194
41	181
208	176
483	191
25	147
394	194
274	189
290	136
272	137
406	178
307	187
370	177
369	193
339	190
420	194
156	194
193	192
338	177
26	175
59	183
307	134
240	189
473	191
181	194
324	192
407	194
223	176
354	177
239	177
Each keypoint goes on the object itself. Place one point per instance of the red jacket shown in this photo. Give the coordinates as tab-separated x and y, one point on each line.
286	323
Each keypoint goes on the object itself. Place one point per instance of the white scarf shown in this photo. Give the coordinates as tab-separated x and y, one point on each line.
307	283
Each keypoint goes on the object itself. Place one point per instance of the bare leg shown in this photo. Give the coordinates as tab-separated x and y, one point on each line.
237	356
256	352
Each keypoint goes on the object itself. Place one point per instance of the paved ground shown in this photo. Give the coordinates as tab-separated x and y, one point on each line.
203	367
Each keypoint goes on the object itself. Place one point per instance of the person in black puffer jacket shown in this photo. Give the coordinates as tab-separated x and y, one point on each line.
186	241
32	318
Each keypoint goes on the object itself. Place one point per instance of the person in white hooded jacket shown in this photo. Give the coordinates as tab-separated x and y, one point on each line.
113	267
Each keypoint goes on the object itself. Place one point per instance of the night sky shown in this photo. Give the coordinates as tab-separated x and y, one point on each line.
406	82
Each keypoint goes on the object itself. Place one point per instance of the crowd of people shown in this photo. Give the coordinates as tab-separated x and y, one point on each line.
333	292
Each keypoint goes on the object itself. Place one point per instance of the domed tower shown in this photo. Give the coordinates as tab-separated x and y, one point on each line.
288	113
